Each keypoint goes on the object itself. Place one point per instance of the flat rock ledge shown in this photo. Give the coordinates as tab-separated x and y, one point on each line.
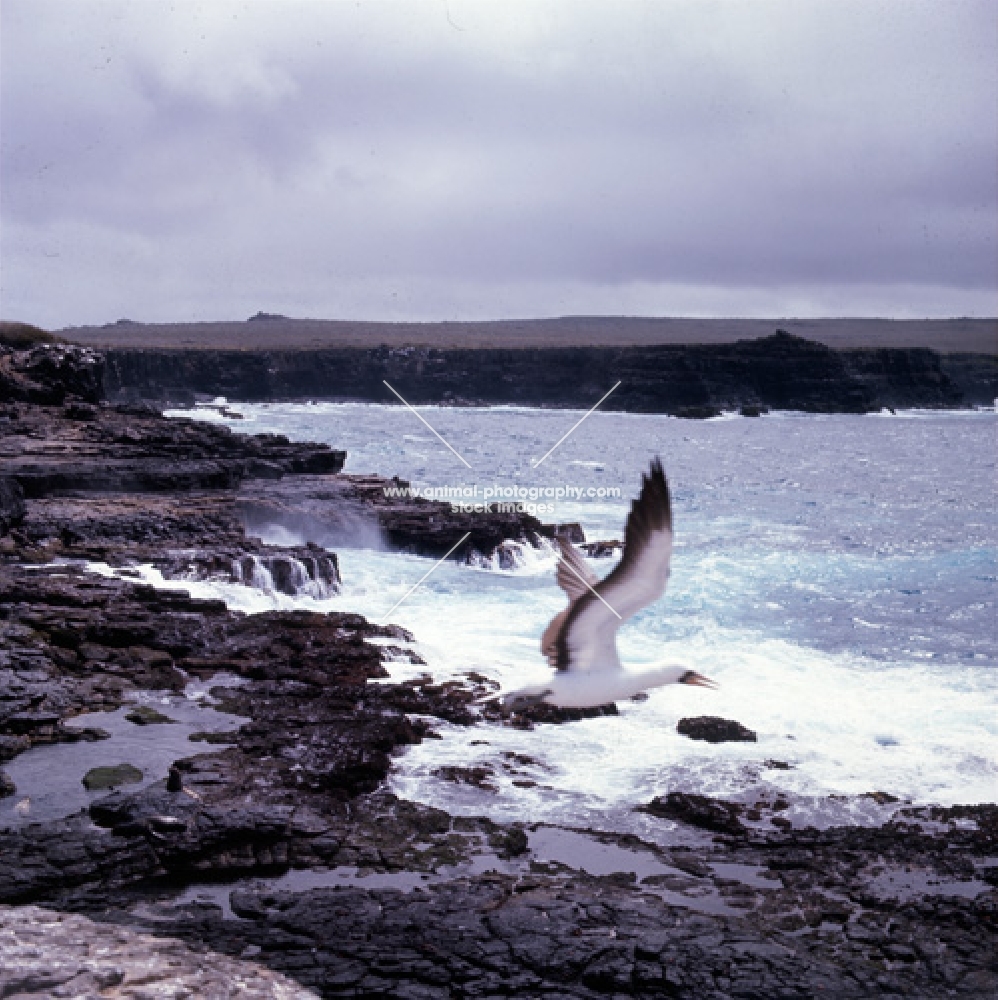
51	954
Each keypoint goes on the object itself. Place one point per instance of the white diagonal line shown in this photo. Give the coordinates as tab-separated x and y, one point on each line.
537	463
424	576
583	579
441	439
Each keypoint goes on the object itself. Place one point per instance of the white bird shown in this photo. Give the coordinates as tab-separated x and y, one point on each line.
581	641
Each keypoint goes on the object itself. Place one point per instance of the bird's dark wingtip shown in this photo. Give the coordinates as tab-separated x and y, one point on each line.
655	477
657	483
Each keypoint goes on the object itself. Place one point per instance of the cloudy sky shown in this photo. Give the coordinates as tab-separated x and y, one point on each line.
452	160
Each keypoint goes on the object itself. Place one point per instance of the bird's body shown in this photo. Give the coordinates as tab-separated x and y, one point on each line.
581	641
572	690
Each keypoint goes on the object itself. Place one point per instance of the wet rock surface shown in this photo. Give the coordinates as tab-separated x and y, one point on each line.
111	776
75	642
347	508
12	507
312	870
698	810
307	570
805	915
48	374
87	448
602	549
907	909
713	729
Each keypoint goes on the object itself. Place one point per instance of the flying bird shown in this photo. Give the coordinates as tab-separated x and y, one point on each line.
581	641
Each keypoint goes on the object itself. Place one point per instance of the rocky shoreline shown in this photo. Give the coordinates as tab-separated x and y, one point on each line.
275	845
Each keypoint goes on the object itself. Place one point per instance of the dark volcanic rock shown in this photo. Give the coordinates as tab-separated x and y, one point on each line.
12	507
111	776
975	375
51	451
119	483
480	777
354	509
318	734
294	790
50	373
542	713
146	715
71	643
602	550
40	479
300	570
164	528
572	532
808	928
705	412
713	729
698	810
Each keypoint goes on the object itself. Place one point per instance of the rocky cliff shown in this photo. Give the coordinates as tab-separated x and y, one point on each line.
80	478
780	371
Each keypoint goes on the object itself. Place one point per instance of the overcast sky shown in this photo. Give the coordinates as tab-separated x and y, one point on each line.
450	160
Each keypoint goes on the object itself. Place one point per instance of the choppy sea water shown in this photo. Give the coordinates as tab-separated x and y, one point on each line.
836	574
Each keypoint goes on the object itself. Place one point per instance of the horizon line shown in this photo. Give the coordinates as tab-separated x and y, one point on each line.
264	317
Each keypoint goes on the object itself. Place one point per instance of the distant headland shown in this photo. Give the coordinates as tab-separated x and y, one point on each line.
271	331
684	367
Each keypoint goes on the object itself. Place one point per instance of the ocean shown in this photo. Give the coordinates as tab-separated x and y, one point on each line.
836	574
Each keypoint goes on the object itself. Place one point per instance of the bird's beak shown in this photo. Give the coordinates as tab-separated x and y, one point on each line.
698	680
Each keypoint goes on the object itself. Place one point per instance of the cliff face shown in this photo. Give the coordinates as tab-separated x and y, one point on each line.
780	371
88	480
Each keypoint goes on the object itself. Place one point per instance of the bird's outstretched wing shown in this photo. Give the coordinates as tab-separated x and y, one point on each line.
576	579
587	632
573	575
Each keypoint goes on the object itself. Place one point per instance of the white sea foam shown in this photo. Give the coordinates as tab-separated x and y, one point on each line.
519	557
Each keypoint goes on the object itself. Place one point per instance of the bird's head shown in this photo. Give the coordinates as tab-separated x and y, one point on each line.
678	674
697	680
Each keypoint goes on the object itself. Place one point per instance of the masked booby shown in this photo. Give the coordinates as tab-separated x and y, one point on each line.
581	641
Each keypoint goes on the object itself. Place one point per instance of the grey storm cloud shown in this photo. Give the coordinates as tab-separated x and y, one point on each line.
470	160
